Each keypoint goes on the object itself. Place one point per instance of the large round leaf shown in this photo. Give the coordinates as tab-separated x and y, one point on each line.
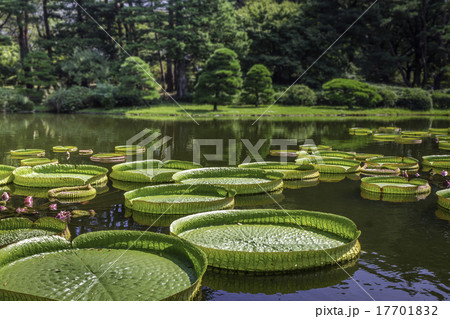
290	171
270	240
242	180
6	174
395	185
106	265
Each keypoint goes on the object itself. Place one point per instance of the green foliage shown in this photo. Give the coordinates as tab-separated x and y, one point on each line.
38	75
9	61
297	95
103	96
12	101
415	99
441	100
389	96
85	67
68	100
351	93
258	86
220	82
137	80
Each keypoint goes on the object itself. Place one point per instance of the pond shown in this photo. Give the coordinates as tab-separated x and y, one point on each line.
405	246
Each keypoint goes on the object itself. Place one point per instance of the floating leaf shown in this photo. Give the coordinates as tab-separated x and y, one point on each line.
290	171
179	199
59	175
73	192
28	153
6	174
63	149
243	180
156	267
270	240
150	171
129	149
395	185
444	198
37	161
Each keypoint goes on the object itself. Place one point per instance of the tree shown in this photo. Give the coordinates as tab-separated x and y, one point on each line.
221	81
38	74
85	67
258	86
136	79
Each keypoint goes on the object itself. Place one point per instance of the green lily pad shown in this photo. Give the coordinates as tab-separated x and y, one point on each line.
17	228
179	199
24	153
359	131
105	265
108	158
283	153
435	130
6	174
150	171
437	161
290	171
242	180
63	149
395	185
444	145
337	154
310	148
270	240
408	140
365	156
389	129
404	163
416	134
444	198
333	165
129	149
385	137
255	200
392	198
37	161
59	175
73	192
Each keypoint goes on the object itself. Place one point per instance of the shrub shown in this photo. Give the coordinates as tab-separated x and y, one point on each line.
414	99
441	100
68	100
388	95
298	94
351	93
12	101
103	96
258	86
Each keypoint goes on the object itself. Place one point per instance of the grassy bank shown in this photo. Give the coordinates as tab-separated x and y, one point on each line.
205	111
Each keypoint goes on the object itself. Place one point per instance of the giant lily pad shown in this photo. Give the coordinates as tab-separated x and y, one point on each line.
444	198
359	131
435	130
404	163
416	134
408	140
263	199
444	145
150	171
290	171
17	228
395	185
310	148
436	161
393	198
37	161
337	154
243	180
389	129
334	165
283	153
30	152
6	174
384	137
298	184
105	265
59	175
73	192
270	240
129	149
373	169
179	199
108	158
63	149
364	156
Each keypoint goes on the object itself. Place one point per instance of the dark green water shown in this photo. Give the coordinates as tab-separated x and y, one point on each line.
405	245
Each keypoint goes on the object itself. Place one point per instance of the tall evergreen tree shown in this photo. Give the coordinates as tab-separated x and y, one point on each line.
221	81
258	86
136	79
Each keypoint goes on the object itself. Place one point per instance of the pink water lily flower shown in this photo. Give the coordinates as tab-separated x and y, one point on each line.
21	210
29	201
417	175
447	184
444	173
3	208
405	174
53	206
64	215
5	196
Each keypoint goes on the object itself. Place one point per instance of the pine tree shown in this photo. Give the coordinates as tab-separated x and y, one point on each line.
258	86
221	81
137	79
38	75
